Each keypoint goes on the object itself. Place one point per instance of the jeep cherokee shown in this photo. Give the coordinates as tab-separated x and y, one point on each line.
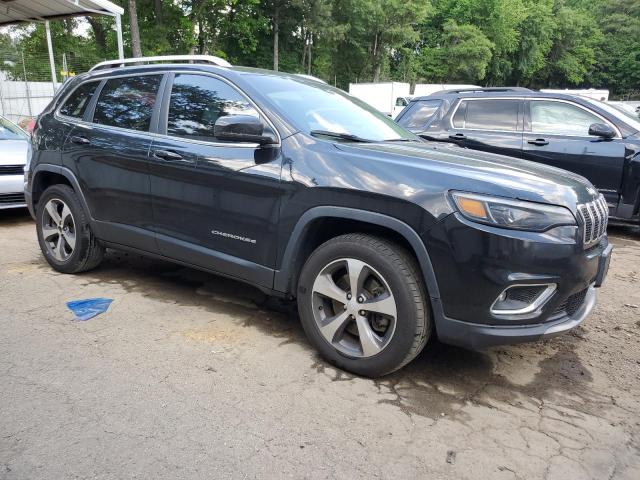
293	186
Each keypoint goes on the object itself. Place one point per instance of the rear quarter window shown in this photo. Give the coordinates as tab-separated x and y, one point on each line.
127	102
420	114
76	104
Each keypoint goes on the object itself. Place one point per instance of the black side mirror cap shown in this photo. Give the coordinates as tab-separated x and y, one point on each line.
601	130
241	128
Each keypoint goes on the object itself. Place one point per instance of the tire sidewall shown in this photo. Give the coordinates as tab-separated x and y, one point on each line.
406	323
67	195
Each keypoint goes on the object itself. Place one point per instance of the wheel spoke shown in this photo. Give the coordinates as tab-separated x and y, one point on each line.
59	248
70	238
385	304
333	325
53	213
324	285
65	213
370	342
48	232
356	270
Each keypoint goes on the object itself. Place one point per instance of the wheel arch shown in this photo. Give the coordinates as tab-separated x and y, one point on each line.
45	175
339	220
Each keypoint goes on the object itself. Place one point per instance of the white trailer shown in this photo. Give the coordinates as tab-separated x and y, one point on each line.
424	89
596	94
388	97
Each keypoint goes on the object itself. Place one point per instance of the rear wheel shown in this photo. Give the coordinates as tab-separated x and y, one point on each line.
363	304
65	238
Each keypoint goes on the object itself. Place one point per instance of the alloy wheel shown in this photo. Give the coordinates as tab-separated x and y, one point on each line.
354	308
58	229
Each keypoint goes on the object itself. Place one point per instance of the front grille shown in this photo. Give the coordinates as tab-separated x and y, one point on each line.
7	198
594	217
572	304
11	169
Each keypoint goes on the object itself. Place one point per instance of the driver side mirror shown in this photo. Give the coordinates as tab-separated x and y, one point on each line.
602	130
241	128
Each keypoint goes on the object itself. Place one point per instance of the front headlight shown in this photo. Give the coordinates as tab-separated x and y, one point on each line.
514	214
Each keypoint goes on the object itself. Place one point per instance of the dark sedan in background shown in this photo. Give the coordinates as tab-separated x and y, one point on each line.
578	134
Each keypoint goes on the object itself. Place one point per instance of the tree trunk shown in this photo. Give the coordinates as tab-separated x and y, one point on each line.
304	49
200	37
99	33
158	9
309	55
375	60
135	31
276	35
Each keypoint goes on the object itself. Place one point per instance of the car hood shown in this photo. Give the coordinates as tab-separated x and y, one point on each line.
13	152
451	167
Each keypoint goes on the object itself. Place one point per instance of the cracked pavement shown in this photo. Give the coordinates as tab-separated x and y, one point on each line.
189	375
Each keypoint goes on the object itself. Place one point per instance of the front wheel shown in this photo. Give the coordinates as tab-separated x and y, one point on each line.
363	304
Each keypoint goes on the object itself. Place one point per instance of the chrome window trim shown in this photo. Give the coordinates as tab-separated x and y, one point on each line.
59	115
559	100
242	93
453	114
81	122
56	112
533	307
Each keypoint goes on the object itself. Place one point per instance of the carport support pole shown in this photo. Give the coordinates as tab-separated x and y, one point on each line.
119	34
52	64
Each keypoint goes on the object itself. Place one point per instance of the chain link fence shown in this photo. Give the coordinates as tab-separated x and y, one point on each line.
26	83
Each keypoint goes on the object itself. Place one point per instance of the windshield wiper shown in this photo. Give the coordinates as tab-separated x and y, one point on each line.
402	140
340	136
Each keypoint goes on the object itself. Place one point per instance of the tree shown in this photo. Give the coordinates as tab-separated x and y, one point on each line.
463	55
573	52
136	51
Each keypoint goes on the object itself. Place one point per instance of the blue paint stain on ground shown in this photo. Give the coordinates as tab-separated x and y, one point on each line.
89	308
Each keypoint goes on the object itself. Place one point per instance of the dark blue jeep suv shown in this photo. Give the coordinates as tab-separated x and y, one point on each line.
291	185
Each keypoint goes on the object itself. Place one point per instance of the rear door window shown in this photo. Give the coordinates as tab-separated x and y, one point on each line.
197	101
76	104
488	114
420	114
127	102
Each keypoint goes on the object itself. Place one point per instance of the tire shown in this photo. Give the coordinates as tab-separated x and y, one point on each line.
391	302
60	216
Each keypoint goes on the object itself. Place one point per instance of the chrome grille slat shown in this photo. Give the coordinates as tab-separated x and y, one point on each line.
595	218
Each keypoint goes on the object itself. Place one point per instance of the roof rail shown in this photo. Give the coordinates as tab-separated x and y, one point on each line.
123	62
487	89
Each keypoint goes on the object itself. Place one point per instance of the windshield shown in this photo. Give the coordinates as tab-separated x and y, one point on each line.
632	122
9	131
316	107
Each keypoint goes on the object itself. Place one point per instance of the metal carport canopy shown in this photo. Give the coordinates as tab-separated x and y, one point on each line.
19	11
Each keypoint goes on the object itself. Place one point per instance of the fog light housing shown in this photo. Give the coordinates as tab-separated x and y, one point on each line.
522	301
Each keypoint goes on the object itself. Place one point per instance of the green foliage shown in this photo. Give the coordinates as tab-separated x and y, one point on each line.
555	43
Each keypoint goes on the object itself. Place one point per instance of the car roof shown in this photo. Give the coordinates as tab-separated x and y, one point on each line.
229	72
500	92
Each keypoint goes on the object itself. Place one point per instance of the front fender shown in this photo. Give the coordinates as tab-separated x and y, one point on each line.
283	277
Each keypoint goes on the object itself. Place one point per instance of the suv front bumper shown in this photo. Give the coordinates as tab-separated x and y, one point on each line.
476	336
474	263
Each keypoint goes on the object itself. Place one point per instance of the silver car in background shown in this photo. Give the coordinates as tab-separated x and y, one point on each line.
14	151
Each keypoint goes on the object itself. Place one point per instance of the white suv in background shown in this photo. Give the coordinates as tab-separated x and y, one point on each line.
14	150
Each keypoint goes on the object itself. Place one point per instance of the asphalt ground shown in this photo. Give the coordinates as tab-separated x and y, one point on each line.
191	376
